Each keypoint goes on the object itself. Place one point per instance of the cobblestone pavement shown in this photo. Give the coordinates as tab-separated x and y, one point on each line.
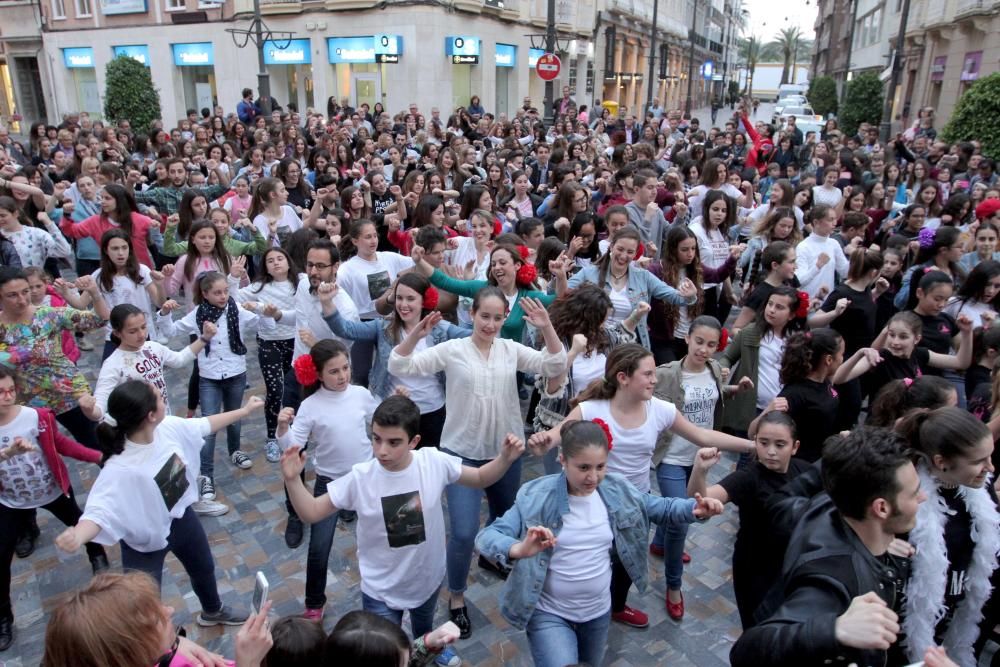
250	538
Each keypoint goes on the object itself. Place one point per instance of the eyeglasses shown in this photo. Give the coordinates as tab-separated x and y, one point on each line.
167	658
8	392
318	267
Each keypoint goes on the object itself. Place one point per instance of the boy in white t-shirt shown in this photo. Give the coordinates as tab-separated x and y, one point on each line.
397	495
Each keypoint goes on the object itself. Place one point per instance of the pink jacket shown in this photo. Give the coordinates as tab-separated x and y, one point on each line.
54	443
69	347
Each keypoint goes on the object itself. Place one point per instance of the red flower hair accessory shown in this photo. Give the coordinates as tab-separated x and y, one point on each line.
803	309
607	430
305	370
526	275
523	251
497	228
723	340
431	297
640	252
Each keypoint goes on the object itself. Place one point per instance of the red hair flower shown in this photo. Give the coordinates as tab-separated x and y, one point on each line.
305	370
526	275
723	340
497	228
523	251
803	310
607	430
431	297
640	252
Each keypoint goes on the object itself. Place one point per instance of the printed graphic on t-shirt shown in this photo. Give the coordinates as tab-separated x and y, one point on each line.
378	283
404	519
26	479
699	405
150	367
172	481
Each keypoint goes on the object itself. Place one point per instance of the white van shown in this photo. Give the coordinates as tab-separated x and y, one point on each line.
786	89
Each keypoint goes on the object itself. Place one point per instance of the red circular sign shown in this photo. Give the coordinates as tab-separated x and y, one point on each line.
548	67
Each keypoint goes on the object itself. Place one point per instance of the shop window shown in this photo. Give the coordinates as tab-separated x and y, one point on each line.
176	5
572	72
83	8
590	76
58	9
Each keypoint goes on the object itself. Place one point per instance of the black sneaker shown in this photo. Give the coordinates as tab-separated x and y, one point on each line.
6	632
99	563
25	545
225	616
294	532
347	516
460	617
499	570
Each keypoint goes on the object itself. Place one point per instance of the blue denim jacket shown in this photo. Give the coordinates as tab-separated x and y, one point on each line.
642	286
544	502
375	331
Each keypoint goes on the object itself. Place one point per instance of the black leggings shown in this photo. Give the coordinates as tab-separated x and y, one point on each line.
12	524
275	358
79	426
193	383
620	583
716	304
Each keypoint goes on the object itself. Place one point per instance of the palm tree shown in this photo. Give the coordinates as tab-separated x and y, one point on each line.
749	51
787	43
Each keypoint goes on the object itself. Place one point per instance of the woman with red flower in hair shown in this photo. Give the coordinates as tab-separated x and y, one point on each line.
412	298
480	383
336	445
623	398
509	271
566	532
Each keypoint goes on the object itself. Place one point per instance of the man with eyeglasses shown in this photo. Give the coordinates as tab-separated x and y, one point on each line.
322	262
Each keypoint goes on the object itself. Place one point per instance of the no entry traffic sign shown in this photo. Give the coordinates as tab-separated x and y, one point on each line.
548	67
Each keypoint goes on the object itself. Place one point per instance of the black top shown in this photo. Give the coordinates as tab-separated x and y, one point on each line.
958	541
856	325
762	292
936	335
814	407
894	368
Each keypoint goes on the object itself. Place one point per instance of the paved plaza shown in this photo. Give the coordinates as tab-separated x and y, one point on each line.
250	538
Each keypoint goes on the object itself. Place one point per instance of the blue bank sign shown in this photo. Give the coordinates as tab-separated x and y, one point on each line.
77	57
295	52
193	54
138	52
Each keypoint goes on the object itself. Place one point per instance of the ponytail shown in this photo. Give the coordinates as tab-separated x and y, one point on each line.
945	432
899	397
622	359
864	262
805	351
128	407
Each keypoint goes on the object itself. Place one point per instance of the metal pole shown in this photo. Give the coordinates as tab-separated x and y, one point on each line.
550	47
652	57
751	66
897	69
263	78
694	21
850	49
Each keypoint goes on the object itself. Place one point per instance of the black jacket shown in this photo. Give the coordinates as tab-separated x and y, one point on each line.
826	566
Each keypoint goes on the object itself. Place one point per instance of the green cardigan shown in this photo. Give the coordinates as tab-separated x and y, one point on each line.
174	248
513	327
741	409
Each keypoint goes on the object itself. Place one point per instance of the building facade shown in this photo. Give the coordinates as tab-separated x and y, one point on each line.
55	53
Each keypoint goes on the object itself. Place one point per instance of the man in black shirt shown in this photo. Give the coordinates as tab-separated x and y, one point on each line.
840	589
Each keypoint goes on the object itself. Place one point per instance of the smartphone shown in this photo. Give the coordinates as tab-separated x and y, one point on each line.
259	593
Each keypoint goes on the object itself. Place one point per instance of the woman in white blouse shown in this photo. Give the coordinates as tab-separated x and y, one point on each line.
481	393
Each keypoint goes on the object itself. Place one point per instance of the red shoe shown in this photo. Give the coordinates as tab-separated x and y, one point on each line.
313	615
656	550
686	558
631	617
675	611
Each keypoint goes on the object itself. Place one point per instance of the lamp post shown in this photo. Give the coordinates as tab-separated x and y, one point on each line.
652	57
259	34
885	127
691	36
550	47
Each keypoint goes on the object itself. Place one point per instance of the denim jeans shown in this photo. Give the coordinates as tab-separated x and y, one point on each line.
421	618
556	642
673	481
320	542
220	396
463	515
188	542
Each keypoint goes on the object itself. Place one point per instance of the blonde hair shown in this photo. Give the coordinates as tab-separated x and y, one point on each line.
116	620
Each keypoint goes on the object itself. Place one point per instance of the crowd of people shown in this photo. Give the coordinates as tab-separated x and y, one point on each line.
434	296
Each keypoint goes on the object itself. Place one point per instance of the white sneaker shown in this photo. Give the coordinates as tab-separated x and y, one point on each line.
209	508
240	459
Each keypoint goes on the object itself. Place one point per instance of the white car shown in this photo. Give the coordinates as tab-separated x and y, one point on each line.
790	101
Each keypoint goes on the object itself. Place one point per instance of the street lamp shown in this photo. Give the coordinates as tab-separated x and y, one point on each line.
885	127
259	33
691	36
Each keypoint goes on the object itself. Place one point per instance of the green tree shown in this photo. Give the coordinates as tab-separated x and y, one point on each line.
823	95
129	94
788	47
748	51
975	116
862	103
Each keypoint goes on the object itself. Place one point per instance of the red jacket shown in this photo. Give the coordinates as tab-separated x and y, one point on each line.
761	149
54	443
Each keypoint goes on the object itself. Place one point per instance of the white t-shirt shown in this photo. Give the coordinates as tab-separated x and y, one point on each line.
461	255
772	349
123	290
632	448
288	223
621	306
26	481
972	309
712	247
424	390
696	197
365	281
335	422
823	195
578	584
146	364
587	368
401	540
700	397
141	491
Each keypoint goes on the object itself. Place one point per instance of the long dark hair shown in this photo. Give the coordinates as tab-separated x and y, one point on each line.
129	405
362	638
186	214
805	351
108	269
125	205
322	352
584	311
418	284
266	277
192	255
977	280
604	263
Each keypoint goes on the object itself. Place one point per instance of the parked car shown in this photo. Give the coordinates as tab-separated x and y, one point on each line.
790	101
